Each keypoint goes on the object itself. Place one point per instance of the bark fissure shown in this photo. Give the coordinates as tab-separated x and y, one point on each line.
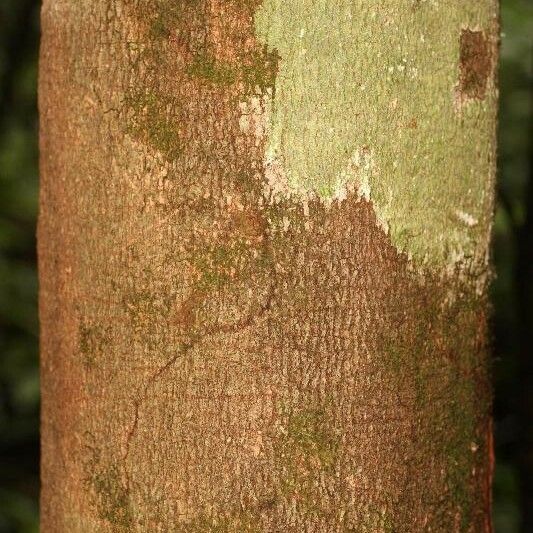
185	349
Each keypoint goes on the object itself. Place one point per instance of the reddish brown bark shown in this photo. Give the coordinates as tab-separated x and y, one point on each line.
215	360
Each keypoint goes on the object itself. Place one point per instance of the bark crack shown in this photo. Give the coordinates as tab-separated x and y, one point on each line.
195	340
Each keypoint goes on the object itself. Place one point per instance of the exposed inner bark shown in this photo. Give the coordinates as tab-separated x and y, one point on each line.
475	64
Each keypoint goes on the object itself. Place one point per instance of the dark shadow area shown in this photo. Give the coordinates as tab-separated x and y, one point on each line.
512	290
19	374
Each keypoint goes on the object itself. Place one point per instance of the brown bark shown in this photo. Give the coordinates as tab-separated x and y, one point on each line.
215	360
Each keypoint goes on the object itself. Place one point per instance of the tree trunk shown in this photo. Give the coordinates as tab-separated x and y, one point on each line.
263	246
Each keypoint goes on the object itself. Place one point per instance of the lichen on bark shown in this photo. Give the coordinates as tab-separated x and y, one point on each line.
382	78
229	346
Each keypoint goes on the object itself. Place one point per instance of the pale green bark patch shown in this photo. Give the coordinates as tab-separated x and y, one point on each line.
369	96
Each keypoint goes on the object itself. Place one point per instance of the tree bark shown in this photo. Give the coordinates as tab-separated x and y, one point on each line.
263	247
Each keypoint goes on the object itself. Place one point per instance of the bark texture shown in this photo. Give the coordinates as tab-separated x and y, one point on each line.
229	347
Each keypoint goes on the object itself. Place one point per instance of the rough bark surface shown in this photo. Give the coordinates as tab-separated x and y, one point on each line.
220	351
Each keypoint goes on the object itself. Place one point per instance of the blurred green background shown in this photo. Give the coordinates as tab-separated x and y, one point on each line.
512	291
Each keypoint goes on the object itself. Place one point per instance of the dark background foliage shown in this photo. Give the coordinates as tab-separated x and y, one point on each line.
512	290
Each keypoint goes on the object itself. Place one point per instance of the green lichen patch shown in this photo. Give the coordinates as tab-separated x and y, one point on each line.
218	264
93	341
256	71
372	521
142	305
167	16
207	68
113	498
351	76
259	70
154	118
165	19
307	448
110	494
310	436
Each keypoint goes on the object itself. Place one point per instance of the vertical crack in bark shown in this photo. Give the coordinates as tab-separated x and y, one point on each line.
196	339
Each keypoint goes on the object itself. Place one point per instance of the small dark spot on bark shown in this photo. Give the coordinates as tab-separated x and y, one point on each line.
475	64
267	504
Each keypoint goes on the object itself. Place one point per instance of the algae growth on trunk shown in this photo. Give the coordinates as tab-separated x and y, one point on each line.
263	244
